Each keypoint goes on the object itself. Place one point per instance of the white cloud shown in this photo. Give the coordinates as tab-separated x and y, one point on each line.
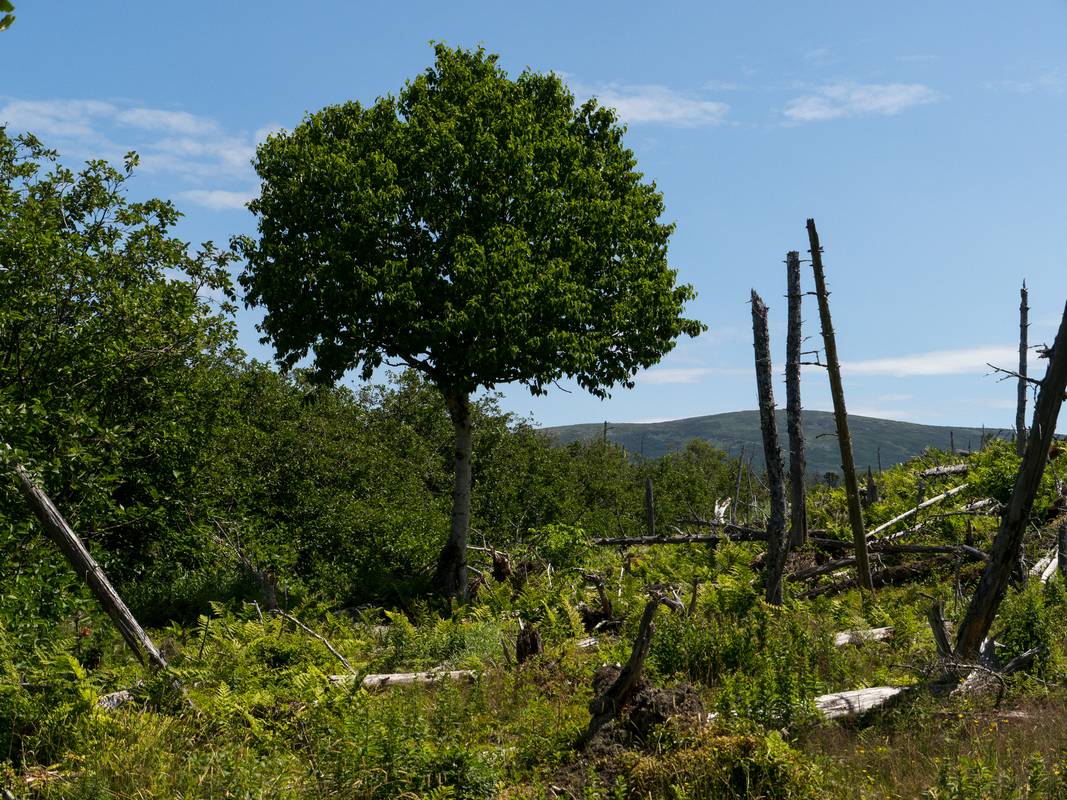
934	362
650	420
657	104
195	149
55	118
217	199
846	99
669	375
178	122
1053	81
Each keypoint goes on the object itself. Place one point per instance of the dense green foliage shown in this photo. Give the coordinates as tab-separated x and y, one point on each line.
479	229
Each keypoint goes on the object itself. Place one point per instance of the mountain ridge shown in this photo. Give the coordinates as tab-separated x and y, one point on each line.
878	443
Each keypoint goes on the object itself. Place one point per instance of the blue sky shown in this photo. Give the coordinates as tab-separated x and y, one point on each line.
928	140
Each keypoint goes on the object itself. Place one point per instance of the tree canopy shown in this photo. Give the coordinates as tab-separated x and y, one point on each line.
479	229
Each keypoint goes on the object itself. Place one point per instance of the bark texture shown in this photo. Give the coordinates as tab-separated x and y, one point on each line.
798	518
1009	539
777	543
844	438
72	547
1020	406
451	577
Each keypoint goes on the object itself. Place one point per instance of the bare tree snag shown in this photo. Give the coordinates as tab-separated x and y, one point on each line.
777	543
870	491
650	508
606	706
1061	540
1008	542
528	643
844	438
57	529
798	518
939	627
1020	406
737	489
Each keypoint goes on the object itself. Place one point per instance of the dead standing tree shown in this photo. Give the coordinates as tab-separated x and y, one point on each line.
844	438
798	525
777	543
1020	406
1009	539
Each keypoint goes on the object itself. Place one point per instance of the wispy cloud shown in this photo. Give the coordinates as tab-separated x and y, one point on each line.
178	122
918	58
846	99
934	362
656	104
196	149
217	199
1053	81
669	375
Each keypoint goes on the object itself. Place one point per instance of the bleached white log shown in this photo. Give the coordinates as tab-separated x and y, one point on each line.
861	636
856	702
400	678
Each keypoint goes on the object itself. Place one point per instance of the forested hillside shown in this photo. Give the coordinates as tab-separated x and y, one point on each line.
877	443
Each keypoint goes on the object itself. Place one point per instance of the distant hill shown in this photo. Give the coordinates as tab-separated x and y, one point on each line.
897	441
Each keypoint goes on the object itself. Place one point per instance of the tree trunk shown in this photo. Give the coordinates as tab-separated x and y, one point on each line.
798	527
650	509
57	529
777	543
1009	539
1020	406
844	438
451	577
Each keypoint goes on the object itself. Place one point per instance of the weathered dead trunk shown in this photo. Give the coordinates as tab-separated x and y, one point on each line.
451	576
606	706
798	518
1020	406
57	529
1061	552
1009	539
650	508
844	438
777	543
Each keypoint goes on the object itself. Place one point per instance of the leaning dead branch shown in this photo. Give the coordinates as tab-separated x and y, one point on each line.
1009	539
732	533
606	706
336	653
73	548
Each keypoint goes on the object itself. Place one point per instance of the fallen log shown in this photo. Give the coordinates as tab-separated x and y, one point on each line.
860	636
384	680
971	553
735	534
856	702
948	469
891	576
911	511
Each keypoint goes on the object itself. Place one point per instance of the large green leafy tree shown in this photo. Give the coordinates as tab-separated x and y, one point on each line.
478	229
